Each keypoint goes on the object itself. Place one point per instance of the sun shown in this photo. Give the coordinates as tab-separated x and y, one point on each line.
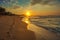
28	13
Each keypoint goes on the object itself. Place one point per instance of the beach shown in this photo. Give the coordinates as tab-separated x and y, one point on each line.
12	28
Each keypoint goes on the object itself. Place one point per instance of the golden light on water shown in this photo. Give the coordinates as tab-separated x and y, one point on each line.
26	21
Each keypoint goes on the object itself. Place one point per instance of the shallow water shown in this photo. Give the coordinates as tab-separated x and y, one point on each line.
53	24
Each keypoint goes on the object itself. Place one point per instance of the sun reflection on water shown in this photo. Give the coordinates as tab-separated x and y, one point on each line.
26	20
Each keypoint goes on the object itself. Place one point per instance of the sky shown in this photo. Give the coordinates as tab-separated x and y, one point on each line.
37	7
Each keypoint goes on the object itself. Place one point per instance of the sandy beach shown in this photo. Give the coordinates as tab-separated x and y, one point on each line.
12	28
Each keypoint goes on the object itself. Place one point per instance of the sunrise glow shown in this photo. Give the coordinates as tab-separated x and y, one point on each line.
28	13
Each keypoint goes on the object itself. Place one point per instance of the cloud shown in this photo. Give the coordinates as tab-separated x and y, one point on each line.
33	2
45	2
8	2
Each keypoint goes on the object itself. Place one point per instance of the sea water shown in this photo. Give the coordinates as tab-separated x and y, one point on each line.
49	23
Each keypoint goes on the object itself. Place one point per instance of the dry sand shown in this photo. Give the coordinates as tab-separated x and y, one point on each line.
12	28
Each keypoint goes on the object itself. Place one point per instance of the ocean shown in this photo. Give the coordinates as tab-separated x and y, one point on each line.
48	23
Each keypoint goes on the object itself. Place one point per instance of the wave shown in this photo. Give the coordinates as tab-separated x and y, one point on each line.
52	24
